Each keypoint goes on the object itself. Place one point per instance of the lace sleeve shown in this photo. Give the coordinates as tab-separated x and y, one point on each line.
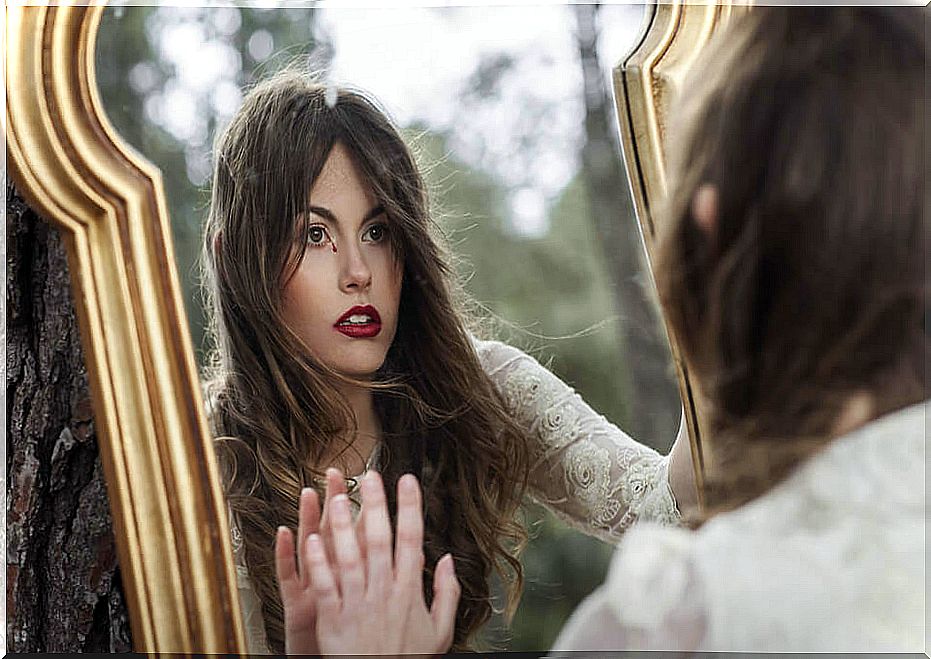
585	469
248	599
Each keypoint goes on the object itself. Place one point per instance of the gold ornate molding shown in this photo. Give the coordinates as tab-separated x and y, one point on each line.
163	483
645	83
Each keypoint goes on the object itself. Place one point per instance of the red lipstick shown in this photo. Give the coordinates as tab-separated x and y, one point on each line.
359	322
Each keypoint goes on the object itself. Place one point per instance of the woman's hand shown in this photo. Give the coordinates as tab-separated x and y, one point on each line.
297	598
373	603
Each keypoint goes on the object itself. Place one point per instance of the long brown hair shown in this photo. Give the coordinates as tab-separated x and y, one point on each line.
278	410
813	286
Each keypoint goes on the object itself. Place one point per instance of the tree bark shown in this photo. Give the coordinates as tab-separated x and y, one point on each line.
63	584
653	403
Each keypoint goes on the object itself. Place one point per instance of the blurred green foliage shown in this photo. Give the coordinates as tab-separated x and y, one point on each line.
538	288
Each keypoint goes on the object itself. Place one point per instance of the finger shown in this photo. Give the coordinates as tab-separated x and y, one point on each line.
308	522
409	546
376	529
360	534
335	484
323	582
351	574
359	525
285	566
446	592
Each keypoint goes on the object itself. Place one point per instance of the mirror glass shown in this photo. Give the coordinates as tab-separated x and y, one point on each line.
502	105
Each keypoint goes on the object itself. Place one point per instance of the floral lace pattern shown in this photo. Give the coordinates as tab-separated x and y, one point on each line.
587	471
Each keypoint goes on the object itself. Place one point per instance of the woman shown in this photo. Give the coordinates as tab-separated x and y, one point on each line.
341	342
794	275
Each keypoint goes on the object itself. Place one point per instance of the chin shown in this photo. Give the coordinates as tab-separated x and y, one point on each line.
363	366
361	372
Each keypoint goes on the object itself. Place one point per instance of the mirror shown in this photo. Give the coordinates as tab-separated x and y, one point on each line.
515	129
494	100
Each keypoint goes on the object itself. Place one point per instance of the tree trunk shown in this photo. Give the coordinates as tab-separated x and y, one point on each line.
63	585
653	403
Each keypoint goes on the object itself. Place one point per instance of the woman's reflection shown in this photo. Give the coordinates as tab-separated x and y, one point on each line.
342	341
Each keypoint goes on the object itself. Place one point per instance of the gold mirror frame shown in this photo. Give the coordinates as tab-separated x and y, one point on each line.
67	160
645	83
169	517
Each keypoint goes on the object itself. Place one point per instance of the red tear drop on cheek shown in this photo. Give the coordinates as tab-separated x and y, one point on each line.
334	247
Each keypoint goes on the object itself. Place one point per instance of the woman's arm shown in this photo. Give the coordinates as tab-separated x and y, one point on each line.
682	472
587	470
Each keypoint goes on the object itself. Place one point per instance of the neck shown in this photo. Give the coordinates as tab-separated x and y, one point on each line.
857	411
362	403
368	433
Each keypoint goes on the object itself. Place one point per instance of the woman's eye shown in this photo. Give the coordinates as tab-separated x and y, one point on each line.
317	236
375	233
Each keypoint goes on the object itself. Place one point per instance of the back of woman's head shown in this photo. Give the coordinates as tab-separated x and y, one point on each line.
810	286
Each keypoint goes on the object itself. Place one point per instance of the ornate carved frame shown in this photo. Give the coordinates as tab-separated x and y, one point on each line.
162	478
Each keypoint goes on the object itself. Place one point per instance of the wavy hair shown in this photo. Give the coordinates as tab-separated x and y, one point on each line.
813	286
276	410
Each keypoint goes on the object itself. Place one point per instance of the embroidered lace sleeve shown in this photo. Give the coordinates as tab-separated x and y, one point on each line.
248	598
585	469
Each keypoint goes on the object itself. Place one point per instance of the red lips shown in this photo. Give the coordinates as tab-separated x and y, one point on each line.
360	322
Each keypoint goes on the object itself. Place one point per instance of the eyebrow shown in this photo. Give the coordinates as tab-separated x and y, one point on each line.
326	214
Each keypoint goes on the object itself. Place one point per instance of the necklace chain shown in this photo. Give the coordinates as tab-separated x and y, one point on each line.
352	482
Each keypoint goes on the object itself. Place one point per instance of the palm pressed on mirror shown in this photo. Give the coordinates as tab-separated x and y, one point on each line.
158	452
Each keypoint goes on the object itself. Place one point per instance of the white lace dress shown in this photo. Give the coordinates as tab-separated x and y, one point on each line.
832	559
586	470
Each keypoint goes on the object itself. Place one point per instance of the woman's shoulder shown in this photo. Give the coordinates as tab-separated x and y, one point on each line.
843	532
653	580
212	391
873	476
650	556
492	353
519	376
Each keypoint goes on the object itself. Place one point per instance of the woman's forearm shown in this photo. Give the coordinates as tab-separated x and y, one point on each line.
682	473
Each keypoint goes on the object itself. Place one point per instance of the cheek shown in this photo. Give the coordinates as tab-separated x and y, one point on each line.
299	299
396	279
390	271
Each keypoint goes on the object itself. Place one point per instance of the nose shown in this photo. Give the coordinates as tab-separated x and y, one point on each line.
355	274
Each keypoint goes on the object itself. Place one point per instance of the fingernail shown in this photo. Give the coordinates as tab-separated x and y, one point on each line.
452	564
306	491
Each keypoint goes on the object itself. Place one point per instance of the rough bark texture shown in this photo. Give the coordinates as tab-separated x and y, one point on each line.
653	404
63	585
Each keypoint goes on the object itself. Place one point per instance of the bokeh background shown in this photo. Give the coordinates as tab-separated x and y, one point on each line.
511	112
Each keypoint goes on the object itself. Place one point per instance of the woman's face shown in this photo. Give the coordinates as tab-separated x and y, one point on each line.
342	299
